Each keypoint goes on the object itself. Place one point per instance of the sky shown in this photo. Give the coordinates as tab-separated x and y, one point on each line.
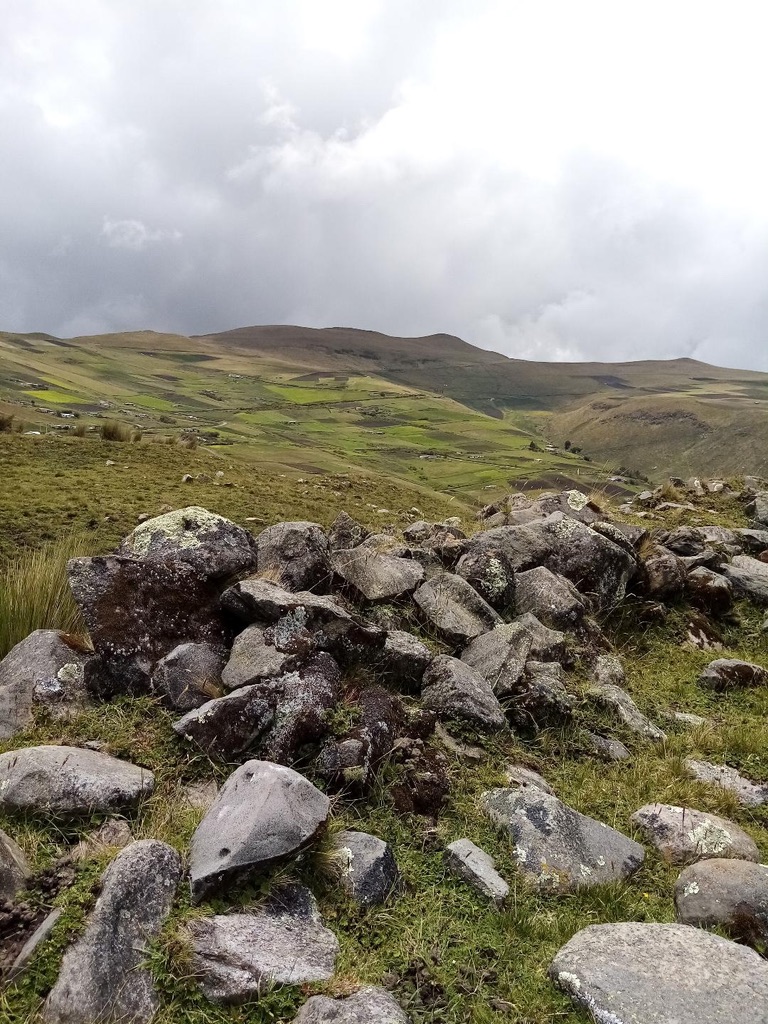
552	180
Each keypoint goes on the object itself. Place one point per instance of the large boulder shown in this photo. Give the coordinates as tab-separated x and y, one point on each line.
69	782
731	894
189	676
296	553
263	813
44	667
454	608
550	597
731	674
635	973
492	576
556	847
375	576
345	532
237	957
369	871
454	690
368	1006
104	976
14	869
682	835
500	655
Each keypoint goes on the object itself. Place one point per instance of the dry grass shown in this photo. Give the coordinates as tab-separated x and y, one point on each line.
111	430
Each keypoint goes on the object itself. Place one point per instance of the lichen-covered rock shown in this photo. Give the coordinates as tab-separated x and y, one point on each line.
730	674
368	1006
305	700
215	547
491	575
345	532
540	699
189	676
620	703
454	609
229	726
44	667
500	655
550	597
375	576
634	973
297	552
68	781
682	835
473	865
556	847
236	957
709	591
351	761
403	660
263	813
103	976
746	792
663	576
254	659
14	869
732	894
369	871
454	690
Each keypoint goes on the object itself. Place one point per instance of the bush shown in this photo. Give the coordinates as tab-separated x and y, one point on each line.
34	593
111	430
79	430
6	422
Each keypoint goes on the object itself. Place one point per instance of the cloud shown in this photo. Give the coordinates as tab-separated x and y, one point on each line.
133	235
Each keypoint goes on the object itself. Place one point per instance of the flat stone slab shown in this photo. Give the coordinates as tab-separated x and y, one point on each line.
662	974
368	1006
558	848
749	793
683	835
467	861
730	893
237	956
70	781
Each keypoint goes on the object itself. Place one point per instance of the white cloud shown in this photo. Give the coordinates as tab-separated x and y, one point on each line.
133	235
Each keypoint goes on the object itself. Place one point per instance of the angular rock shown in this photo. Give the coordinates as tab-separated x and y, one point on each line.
305	700
661	974
500	655
43	667
748	793
473	865
369	872
102	976
685	718
709	591
540	700
14	869
730	674
31	946
753	541
550	597
68	781
229	726
189	676
663	576
368	1006
558	848
683	835
608	749
730	893
298	552
253	659
215	547
345	532
352	761
519	775
491	575
454	690
620	703
454	608
403	660
376	577
749	578
758	508
236	957
263	813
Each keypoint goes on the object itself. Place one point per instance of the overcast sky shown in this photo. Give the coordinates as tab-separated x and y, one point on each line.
554	180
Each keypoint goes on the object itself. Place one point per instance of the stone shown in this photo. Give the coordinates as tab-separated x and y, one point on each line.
746	792
454	609
374	576
730	674
753	541
216	548
45	668
749	578
113	834
31	946
68	782
189	676
491	575
550	597
253	659
228	726
555	846
351	762
403	660
500	655
635	973
540	700
686	718
519	775
709	591
758	508
263	813
368	1006
619	702
345	532
237	957
607	748
454	690
303	703
683	835
473	865
663	576
102	976
297	552
732	894
369	872
14	869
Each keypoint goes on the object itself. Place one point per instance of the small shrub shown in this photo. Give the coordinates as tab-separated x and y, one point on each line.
111	430
136	436
6	422
79	430
188	441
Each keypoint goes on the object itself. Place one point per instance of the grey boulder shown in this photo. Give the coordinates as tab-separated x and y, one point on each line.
550	597
14	869
253	659
749	578
468	862
683	835
746	792
69	781
621	705
709	590
454	690
732	894
369	872
403	660
492	576
228	726
662	974
345	532
540	699
368	1006
730	674
376	576
297	553
189	676
500	655
454	608
103	976
263	813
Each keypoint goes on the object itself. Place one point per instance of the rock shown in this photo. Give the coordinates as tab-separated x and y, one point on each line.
376	577
403	660
113	834
519	775
297	553
635	973
368	1006
454	608
67	781
302	709
550	597
746	792
31	946
14	869
663	576
683	835
369	872
215	548
263	813
732	894
352	762
709	591
253	659
345	532
43	667
729	674
500	655
102	975
473	865
749	578
540	700
558	848
465	751
491	575
608	749
758	508
620	703
189	676
228	726
236	957
454	690
753	541
685	718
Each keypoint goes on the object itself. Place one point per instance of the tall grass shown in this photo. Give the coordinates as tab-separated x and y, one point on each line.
111	430
34	593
